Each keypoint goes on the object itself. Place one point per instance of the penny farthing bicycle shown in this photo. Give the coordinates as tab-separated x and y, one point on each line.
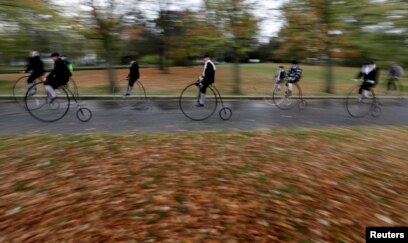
360	106
20	88
189	99
42	108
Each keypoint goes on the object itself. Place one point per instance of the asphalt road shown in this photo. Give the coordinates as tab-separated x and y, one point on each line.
165	115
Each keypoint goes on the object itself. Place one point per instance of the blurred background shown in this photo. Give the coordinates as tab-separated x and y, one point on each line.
103	34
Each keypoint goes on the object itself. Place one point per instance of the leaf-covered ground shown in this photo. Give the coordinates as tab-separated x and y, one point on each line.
265	186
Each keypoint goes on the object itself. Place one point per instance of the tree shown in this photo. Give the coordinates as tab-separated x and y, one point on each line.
334	29
24	24
106	21
238	24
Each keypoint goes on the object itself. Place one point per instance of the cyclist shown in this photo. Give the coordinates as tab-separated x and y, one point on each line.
395	72
133	76
369	72
279	77
206	79
58	77
294	75
36	66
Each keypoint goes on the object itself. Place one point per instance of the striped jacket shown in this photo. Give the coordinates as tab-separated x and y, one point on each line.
295	73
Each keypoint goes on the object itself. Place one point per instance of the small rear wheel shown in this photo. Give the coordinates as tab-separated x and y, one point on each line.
225	113
84	114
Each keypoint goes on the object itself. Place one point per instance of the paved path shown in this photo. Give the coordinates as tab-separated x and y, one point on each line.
164	115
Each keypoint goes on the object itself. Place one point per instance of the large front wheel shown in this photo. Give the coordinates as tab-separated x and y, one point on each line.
189	103
20	88
41	107
286	96
135	97
358	105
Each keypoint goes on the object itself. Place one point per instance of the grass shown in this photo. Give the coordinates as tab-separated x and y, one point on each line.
6	86
203	186
256	79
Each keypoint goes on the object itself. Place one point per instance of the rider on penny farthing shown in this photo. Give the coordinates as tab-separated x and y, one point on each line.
58	77
199	100
206	79
37	67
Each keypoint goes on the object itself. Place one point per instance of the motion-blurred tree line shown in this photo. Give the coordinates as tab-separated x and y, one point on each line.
328	31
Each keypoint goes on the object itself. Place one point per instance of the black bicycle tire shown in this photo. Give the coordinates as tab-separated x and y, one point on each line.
145	100
352	96
274	99
44	120
22	103
201	119
84	120
117	96
268	97
74	84
224	109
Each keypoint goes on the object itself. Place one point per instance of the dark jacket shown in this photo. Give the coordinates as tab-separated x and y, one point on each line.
209	72
36	65
60	72
134	71
369	74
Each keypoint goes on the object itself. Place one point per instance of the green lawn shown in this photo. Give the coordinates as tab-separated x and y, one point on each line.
297	185
6	86
256	79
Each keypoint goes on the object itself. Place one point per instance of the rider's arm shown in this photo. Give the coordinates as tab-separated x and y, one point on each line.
29	66
53	72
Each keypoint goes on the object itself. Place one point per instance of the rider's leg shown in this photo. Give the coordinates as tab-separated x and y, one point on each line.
50	86
278	84
363	91
201	97
30	83
50	91
289	86
130	86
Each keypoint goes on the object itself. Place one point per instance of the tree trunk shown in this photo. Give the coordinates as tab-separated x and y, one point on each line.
329	76
109	63
327	22
162	60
